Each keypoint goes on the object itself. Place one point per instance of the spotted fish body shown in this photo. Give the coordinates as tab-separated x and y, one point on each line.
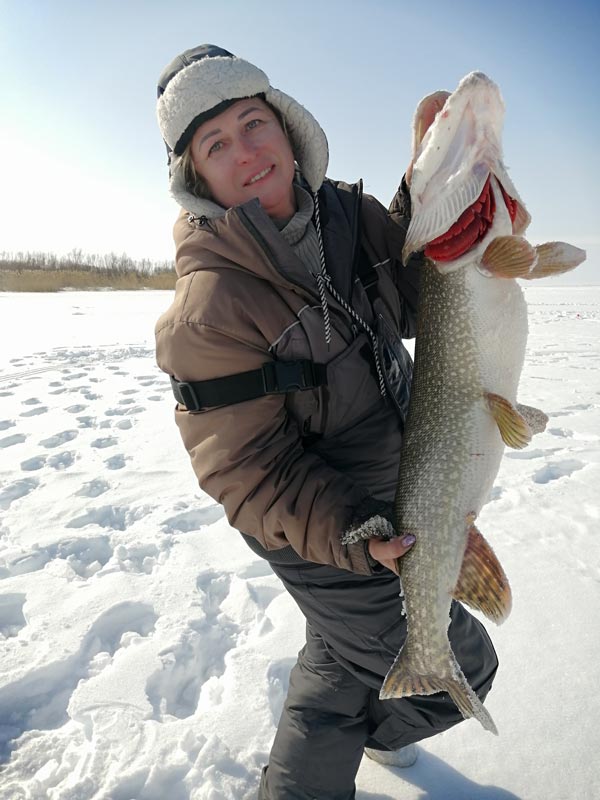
470	348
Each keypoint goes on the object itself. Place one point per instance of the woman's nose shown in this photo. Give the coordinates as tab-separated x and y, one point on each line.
244	150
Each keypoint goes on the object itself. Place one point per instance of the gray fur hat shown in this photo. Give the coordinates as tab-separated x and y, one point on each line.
203	82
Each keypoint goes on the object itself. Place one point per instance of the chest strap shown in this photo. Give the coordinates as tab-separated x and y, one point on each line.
274	377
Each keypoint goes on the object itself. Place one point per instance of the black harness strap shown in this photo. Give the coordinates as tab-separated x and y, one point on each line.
274	377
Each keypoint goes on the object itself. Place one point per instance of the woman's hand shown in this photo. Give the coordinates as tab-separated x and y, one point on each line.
386	552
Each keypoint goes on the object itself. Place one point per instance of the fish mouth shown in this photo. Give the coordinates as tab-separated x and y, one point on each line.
471	227
459	180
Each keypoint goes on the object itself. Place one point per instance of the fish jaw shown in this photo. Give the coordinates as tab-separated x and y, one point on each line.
454	161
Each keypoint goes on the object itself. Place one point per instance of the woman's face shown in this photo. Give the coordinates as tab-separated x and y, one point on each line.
243	153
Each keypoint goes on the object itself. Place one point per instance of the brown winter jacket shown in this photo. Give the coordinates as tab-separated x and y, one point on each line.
290	469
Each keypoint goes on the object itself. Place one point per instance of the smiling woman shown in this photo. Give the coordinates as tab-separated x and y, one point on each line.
244	153
292	386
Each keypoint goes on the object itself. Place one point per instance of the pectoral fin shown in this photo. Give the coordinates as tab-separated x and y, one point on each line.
514	430
534	417
482	583
508	257
554	258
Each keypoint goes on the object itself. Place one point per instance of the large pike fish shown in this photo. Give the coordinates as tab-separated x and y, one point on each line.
468	219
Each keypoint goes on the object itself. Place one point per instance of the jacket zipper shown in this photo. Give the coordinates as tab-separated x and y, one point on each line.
356	234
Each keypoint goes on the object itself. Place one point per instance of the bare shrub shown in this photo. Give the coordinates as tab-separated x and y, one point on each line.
47	272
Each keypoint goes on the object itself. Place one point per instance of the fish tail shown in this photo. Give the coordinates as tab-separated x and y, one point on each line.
405	679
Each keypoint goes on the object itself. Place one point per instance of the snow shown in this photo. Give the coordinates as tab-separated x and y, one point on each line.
145	650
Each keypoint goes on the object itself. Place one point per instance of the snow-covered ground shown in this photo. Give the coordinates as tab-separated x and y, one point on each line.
145	651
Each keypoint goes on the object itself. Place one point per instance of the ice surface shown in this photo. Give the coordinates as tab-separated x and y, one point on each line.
145	650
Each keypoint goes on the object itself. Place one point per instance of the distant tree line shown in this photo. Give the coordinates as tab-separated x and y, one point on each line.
47	272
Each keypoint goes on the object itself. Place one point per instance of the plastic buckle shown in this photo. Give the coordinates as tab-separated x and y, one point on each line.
188	395
280	377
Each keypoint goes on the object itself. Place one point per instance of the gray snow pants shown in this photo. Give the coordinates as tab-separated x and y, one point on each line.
353	634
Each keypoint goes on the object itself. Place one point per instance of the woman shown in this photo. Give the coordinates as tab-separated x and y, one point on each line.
283	344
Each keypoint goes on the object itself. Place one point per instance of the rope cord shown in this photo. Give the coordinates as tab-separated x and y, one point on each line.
324	281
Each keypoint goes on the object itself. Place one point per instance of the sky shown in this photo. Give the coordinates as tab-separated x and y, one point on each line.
83	163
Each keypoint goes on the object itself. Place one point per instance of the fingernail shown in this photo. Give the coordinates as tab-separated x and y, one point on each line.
408	540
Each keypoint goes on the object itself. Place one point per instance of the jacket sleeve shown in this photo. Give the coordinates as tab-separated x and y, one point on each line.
393	224
249	456
408	277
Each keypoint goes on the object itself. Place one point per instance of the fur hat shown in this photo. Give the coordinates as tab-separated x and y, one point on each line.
203	82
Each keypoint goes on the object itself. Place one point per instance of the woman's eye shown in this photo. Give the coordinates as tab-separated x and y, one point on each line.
253	124
214	147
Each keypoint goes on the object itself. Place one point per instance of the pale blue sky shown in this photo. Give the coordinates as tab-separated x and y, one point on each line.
83	164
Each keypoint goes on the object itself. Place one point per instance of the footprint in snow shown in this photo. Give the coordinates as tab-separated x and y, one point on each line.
560	469
107	441
6	394
214	588
9	441
75	376
31	401
76	409
114	517
16	490
61	461
86	422
578	407
32	464
193	520
563	433
526	455
140	558
174	689
56	686
115	462
34	412
198	657
149	380
6	423
124	410
12	619
93	488
58	439
85	556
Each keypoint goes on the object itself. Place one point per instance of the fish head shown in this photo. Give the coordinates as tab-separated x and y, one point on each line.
461	194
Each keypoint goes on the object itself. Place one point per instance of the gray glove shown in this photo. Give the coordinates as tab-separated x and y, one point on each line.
371	518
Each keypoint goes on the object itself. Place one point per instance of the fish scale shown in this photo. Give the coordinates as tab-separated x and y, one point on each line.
470	347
